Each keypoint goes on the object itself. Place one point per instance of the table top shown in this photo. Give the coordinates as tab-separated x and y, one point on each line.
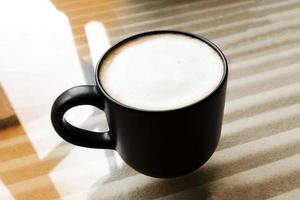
49	46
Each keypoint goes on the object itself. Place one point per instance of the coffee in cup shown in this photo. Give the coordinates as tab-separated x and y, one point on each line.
161	72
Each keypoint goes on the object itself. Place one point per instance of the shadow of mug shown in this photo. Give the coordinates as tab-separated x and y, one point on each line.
126	183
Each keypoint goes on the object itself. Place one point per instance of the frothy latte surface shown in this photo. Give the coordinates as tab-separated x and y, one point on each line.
161	72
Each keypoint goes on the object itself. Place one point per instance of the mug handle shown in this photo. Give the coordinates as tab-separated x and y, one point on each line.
80	95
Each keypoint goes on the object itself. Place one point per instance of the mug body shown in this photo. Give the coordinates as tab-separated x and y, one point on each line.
170	143
167	143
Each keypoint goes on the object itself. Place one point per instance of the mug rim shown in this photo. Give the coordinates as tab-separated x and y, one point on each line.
153	32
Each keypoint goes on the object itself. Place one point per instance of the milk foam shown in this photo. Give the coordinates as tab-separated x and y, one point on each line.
161	72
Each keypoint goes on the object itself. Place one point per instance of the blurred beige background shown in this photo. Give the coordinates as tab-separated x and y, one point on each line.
48	46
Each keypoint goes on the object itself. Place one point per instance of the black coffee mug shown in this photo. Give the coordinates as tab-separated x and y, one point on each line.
156	143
